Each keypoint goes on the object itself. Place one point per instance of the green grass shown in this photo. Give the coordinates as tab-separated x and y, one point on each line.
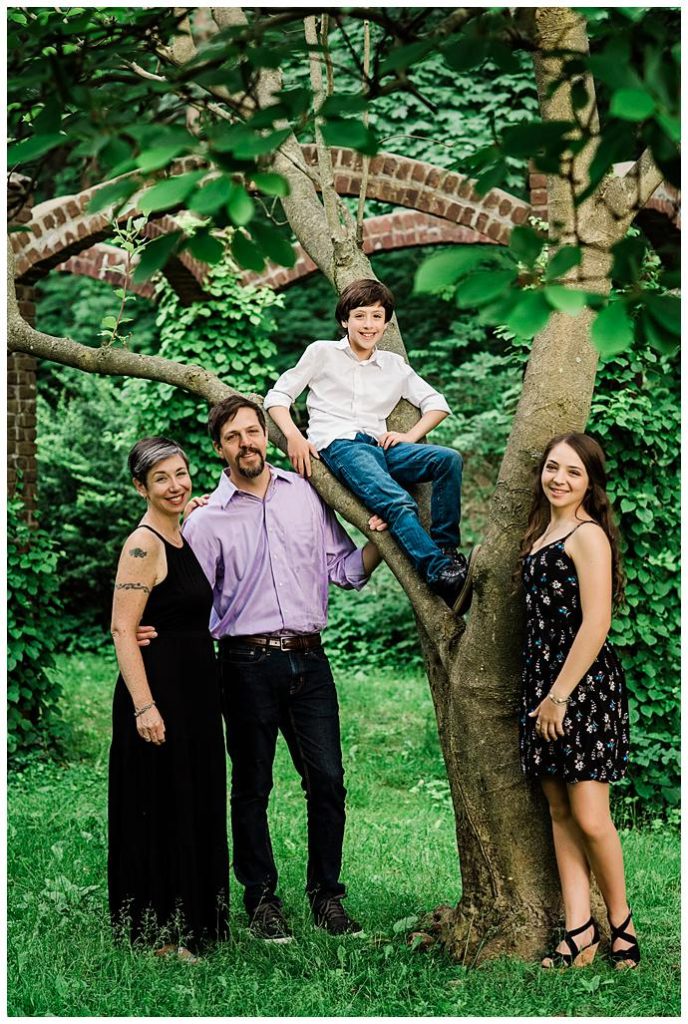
400	859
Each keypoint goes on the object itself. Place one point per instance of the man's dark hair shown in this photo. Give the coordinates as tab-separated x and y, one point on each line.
227	410
364	292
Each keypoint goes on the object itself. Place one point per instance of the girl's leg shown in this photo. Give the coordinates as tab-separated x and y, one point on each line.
590	808
572	863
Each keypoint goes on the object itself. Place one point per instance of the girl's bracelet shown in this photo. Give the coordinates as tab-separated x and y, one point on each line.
146	707
558	700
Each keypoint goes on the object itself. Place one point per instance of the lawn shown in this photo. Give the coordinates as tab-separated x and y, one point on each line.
400	859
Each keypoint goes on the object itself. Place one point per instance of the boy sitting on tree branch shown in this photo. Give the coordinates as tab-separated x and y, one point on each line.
353	387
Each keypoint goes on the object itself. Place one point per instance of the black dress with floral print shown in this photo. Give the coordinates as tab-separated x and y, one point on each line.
595	744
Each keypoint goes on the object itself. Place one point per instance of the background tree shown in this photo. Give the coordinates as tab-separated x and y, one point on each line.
247	130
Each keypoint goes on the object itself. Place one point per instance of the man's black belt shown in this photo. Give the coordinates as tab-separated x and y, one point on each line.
299	642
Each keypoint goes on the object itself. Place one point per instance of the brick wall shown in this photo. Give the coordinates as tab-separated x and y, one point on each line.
21	378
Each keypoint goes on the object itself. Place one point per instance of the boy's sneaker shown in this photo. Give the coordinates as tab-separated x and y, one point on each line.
268	923
455	584
329	914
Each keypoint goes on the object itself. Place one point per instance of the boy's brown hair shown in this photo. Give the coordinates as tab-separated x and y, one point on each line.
364	292
227	410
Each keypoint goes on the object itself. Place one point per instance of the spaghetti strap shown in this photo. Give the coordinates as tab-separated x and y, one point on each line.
163	539
584	523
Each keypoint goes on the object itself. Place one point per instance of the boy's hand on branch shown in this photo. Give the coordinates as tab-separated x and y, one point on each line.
392	437
377	524
300	452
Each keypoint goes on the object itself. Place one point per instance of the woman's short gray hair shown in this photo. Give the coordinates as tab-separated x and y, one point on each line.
147	452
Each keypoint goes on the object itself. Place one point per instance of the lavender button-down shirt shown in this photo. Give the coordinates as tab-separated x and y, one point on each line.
269	560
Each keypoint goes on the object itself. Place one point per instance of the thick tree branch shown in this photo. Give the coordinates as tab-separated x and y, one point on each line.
327	189
627	195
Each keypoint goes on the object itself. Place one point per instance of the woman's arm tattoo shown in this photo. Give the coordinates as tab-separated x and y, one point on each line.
132	586
138	553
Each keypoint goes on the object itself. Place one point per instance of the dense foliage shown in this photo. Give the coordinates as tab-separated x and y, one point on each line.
230	334
33	628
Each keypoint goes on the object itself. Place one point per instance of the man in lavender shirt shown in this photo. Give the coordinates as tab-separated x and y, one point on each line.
270	546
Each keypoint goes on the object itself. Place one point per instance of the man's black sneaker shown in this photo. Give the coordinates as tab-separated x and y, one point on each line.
455	584
331	915
268	924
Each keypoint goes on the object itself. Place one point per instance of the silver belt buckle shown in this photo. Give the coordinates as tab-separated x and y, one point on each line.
281	642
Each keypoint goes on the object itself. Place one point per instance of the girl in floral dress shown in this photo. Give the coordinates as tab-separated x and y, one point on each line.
574	720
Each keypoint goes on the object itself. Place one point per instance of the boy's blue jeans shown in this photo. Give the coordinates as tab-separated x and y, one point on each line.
380	478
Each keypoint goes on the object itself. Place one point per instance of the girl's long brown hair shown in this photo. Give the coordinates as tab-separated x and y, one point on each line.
596	503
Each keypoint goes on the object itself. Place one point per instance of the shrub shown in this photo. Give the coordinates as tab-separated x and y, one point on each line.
33	625
228	334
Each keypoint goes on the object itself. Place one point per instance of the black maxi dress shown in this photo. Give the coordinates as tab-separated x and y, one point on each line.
595	746
168	865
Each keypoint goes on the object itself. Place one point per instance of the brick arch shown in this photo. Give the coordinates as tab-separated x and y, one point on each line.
61	228
401	229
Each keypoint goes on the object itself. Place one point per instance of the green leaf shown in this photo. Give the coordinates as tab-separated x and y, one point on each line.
526	244
403	56
258	145
530	315
612	330
628	259
208	199
464	54
445	268
114	194
271	184
338	106
204	247
240	206
484	286
169	193
666	310
155	256
30	149
564	259
246	253
273	245
655	335
350	133
158	157
632	104
109	322
491	178
566	300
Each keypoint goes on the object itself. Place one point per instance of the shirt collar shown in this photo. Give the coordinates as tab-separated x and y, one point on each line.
226	489
343	344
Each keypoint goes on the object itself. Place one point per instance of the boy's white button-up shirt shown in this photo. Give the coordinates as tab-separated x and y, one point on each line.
346	395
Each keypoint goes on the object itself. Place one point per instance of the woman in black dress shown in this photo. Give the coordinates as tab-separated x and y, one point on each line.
168	870
574	720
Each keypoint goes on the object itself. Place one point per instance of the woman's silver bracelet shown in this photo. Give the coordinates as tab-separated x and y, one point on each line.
146	707
558	700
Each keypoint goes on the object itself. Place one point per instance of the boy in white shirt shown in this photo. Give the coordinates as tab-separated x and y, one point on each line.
353	387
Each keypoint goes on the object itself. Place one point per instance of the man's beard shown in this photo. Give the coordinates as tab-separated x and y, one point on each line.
250	472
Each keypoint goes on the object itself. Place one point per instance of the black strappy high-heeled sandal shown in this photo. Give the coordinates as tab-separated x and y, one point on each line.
579	956
632	952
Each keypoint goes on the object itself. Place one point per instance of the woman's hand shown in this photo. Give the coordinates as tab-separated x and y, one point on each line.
549	720
194	503
151	727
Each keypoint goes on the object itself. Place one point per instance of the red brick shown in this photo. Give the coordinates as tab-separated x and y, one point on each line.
48	222
505	207
404	170
73	208
36	230
481	222
538	197
434	178
491	200
59	215
519	215
467	216
538	181
420	172
390	166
